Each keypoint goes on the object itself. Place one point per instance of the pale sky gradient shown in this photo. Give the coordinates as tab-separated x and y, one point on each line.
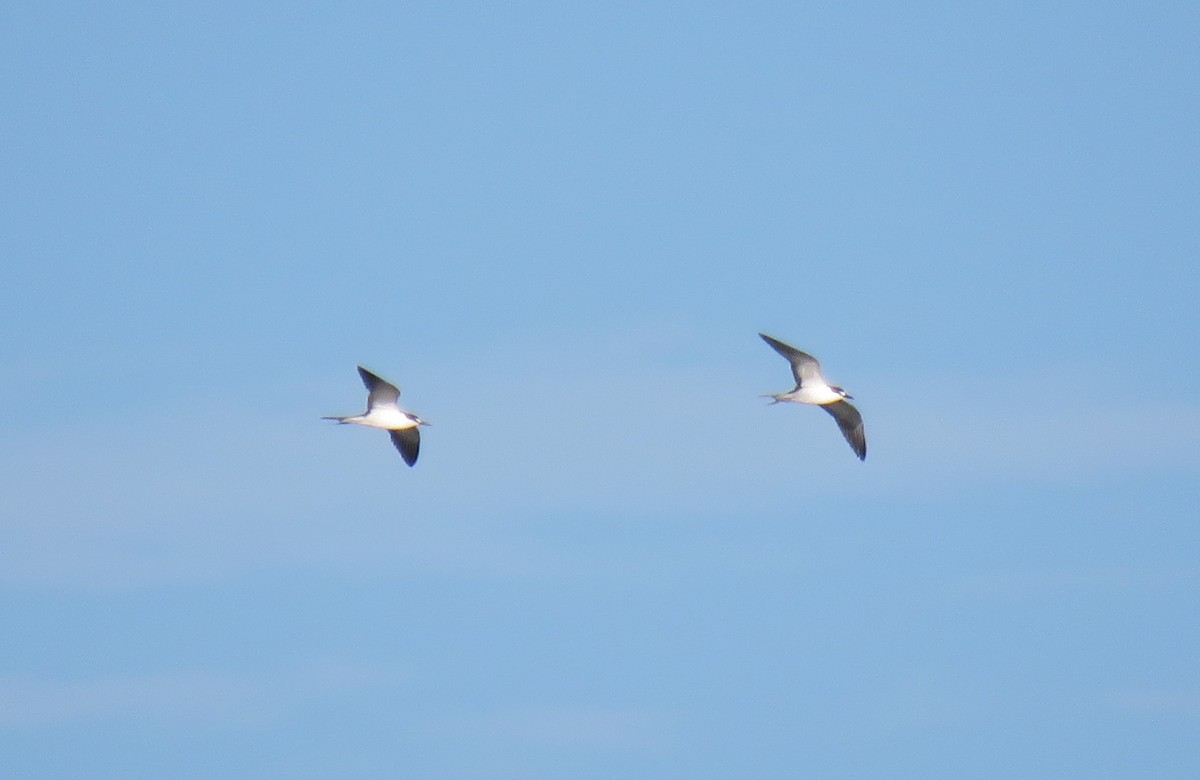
558	227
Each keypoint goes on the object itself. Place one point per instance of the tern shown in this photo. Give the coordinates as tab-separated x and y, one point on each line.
811	388
383	411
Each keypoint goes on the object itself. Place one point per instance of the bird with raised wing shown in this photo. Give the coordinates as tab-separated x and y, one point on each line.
811	388
383	411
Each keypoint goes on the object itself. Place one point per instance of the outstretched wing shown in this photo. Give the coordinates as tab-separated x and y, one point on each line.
408	441
379	391
851	424
804	366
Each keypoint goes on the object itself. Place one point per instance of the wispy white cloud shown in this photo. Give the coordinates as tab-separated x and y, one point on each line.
1053	582
576	426
1156	702
922	702
957	431
574	727
187	695
28	701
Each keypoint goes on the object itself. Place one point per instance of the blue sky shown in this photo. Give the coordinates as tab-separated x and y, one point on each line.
558	227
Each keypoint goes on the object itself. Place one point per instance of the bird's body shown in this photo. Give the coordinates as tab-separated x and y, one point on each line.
812	388
384	412
388	418
818	394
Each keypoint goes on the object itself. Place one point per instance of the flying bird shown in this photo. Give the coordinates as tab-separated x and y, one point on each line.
383	411
811	388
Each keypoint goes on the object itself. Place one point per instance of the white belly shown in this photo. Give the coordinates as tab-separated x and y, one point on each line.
820	394
388	419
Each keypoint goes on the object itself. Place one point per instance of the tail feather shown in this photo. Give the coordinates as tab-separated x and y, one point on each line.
340	420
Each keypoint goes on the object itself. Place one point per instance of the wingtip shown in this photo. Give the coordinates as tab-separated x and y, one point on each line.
408	442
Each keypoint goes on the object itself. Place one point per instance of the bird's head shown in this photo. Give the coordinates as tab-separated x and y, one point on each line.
840	391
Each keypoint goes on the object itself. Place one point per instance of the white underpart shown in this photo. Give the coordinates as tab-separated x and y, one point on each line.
813	393
388	417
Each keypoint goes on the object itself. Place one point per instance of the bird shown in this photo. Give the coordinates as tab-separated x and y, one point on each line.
811	388
383	411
